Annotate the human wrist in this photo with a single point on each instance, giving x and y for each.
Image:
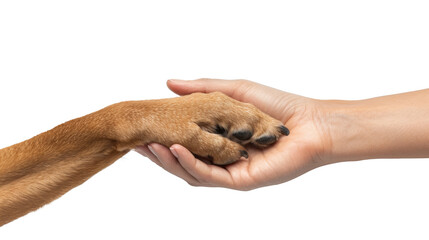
(395, 126)
(353, 129)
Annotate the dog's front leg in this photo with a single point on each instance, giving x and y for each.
(41, 169)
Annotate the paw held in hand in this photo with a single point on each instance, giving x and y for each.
(228, 125)
(212, 126)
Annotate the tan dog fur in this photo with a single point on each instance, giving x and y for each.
(41, 169)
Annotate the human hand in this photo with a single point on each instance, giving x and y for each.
(304, 149)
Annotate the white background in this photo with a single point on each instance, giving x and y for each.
(64, 59)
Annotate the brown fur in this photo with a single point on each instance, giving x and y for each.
(41, 169)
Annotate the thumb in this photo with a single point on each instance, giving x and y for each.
(241, 90)
(204, 85)
(263, 97)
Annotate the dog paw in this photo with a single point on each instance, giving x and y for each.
(231, 144)
(212, 126)
(224, 126)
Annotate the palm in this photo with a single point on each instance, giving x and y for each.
(290, 157)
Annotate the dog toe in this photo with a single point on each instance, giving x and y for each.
(266, 140)
(243, 135)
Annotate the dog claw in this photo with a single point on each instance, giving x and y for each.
(284, 130)
(244, 154)
(220, 130)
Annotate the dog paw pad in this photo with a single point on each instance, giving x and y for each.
(266, 140)
(243, 135)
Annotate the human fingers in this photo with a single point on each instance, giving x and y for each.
(270, 100)
(206, 175)
(233, 88)
(146, 152)
(205, 85)
(162, 156)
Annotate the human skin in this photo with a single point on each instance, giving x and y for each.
(321, 132)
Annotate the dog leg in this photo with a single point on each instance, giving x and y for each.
(41, 169)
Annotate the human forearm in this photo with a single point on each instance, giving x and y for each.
(395, 126)
(321, 132)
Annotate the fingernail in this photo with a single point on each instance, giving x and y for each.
(153, 151)
(176, 80)
(174, 152)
